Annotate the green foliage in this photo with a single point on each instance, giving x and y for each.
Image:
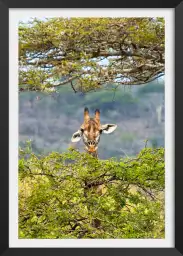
(90, 52)
(73, 195)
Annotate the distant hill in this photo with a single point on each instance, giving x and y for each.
(50, 120)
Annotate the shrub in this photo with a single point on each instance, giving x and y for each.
(73, 195)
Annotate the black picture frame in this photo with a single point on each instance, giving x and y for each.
(4, 125)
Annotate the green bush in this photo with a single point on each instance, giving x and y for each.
(73, 195)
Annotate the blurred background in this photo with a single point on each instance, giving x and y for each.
(50, 120)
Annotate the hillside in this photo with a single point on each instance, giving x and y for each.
(50, 120)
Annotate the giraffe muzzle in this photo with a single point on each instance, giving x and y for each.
(91, 143)
(91, 146)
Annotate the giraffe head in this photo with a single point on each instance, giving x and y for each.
(90, 131)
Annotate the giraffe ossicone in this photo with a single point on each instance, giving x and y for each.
(91, 130)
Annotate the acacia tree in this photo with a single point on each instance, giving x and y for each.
(59, 196)
(90, 52)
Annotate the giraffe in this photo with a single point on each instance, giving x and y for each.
(90, 131)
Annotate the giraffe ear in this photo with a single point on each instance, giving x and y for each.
(108, 128)
(76, 136)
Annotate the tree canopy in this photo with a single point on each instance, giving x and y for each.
(90, 52)
(73, 195)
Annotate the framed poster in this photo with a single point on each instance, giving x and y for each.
(157, 240)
